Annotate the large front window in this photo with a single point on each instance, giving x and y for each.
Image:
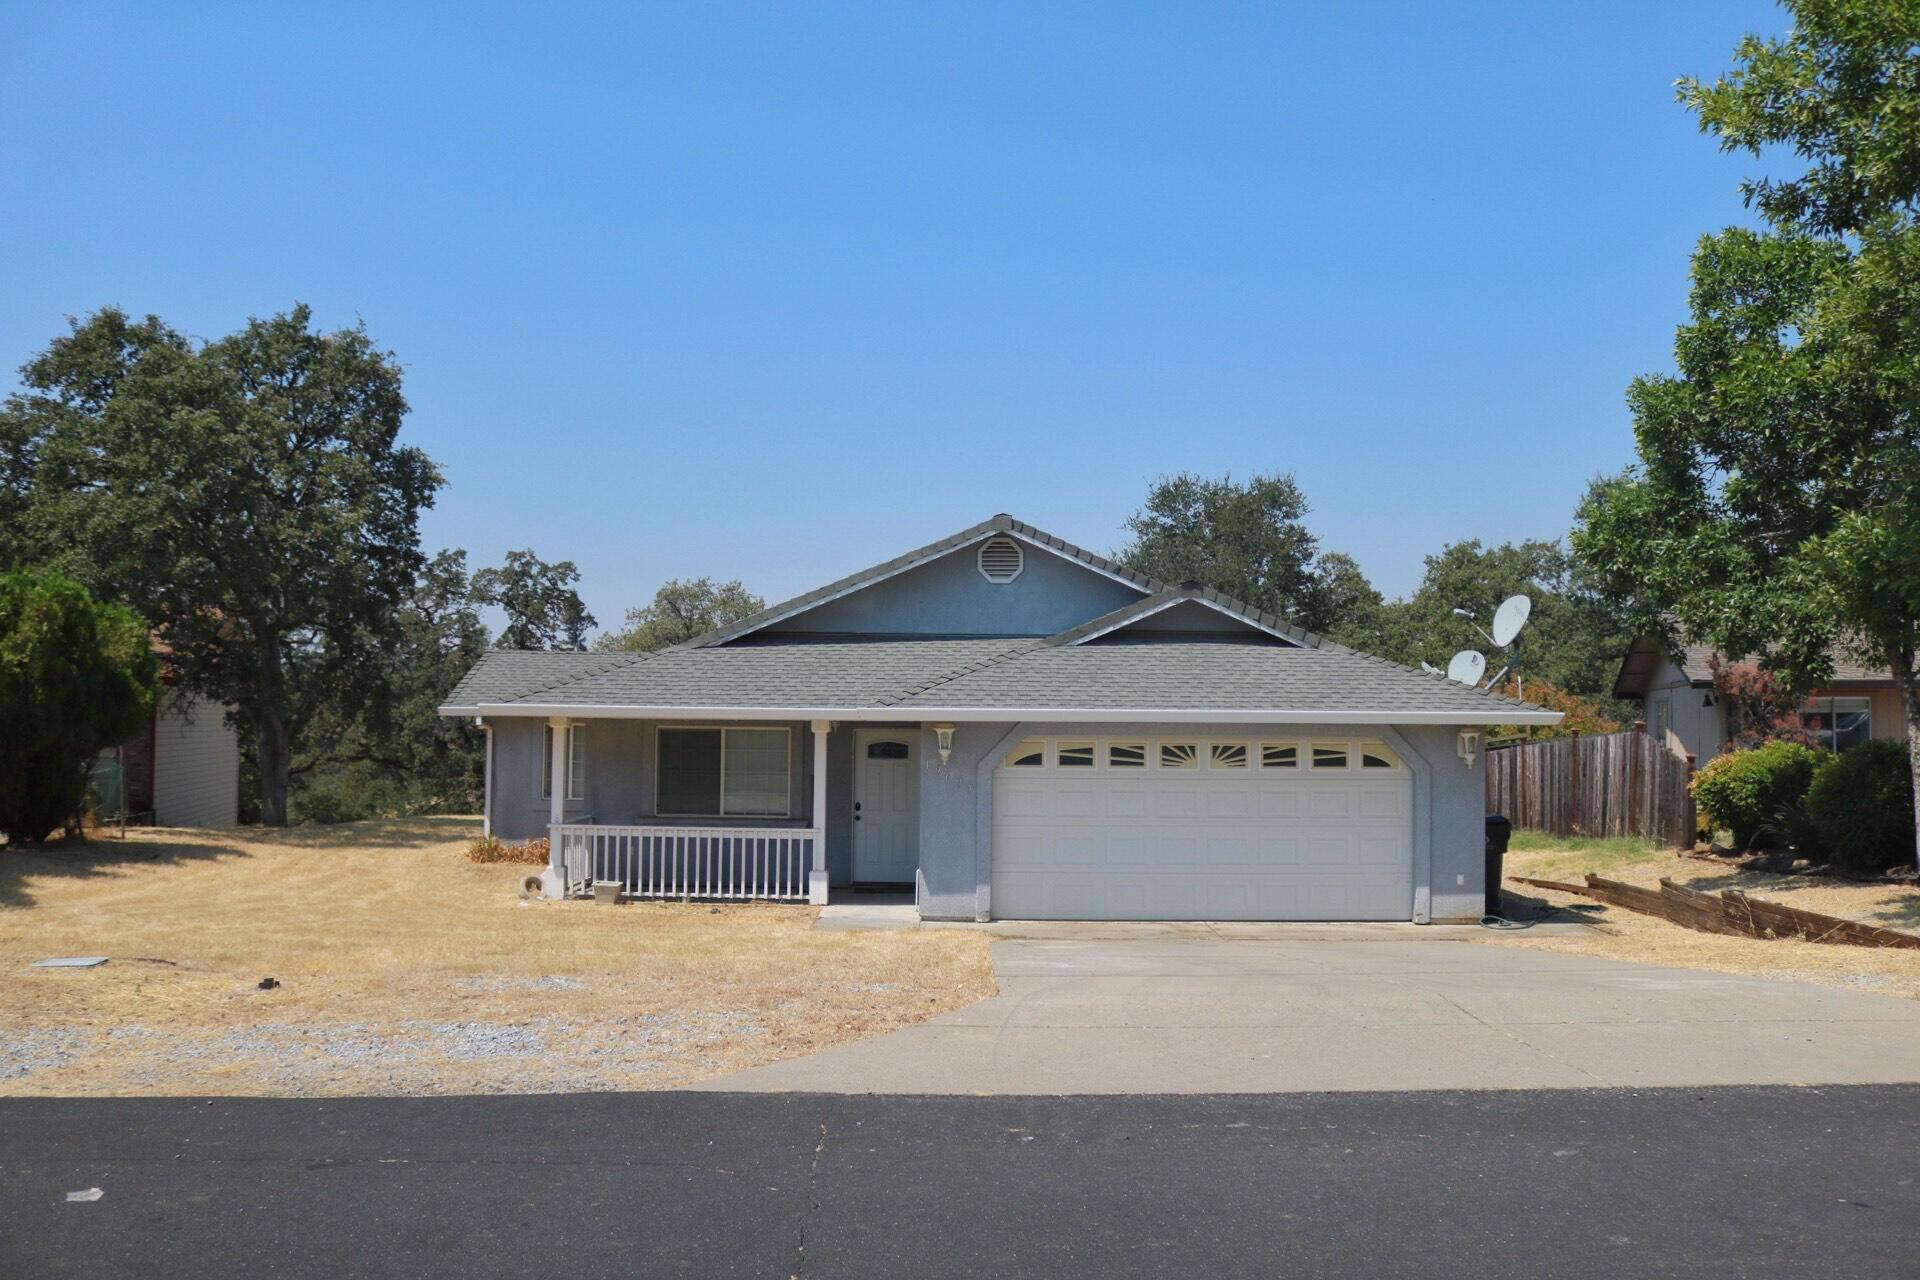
(1839, 723)
(739, 773)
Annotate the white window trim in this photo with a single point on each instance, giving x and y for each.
(576, 752)
(723, 730)
(1303, 748)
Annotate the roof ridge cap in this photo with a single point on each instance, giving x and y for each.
(1025, 646)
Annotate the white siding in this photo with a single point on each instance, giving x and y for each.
(1695, 727)
(196, 766)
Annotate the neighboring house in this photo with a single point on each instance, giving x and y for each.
(1676, 691)
(184, 771)
(1012, 727)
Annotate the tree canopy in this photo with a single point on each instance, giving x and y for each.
(396, 753)
(543, 609)
(76, 677)
(1249, 541)
(247, 496)
(1775, 509)
(1572, 640)
(681, 610)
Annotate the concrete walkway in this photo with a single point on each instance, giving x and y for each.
(1210, 1016)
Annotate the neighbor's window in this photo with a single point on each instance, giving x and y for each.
(1126, 755)
(1279, 755)
(1075, 755)
(576, 762)
(741, 773)
(1179, 755)
(1028, 755)
(1839, 723)
(1329, 755)
(1229, 755)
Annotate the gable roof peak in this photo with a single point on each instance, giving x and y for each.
(1000, 522)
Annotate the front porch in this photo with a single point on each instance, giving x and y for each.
(766, 840)
(711, 809)
(771, 863)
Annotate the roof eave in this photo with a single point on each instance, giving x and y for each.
(1087, 715)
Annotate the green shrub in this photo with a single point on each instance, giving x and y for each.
(1863, 806)
(76, 677)
(1744, 792)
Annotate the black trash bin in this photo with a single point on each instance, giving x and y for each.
(1499, 832)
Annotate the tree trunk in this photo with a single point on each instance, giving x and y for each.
(1909, 685)
(271, 735)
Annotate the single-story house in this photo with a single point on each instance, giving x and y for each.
(1007, 726)
(1675, 690)
(183, 770)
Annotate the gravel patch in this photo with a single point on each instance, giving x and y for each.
(521, 984)
(544, 1054)
(23, 1052)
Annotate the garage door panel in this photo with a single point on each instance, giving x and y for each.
(1198, 844)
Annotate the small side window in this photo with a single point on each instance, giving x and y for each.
(1329, 755)
(1279, 755)
(1229, 755)
(1126, 755)
(1028, 755)
(1179, 755)
(1076, 755)
(1375, 756)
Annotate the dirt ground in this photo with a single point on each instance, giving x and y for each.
(402, 968)
(1625, 935)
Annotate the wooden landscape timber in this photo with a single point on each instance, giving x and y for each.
(1731, 912)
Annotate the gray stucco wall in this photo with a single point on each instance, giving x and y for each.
(620, 778)
(948, 596)
(956, 812)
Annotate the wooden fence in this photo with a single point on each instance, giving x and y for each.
(1615, 784)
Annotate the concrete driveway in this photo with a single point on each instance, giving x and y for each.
(1190, 1015)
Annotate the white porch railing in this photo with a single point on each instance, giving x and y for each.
(685, 862)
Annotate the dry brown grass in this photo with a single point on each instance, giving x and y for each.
(1626, 935)
(404, 968)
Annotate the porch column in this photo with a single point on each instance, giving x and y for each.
(817, 873)
(557, 788)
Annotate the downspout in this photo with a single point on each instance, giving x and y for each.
(486, 780)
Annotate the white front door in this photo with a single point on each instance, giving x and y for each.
(886, 805)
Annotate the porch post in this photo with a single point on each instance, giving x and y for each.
(557, 789)
(817, 873)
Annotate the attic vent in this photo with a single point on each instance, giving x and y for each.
(1001, 560)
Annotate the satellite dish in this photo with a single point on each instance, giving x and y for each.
(1430, 669)
(1466, 667)
(1509, 618)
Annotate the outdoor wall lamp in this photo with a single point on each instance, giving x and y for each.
(944, 732)
(1469, 745)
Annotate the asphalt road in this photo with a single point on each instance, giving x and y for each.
(1743, 1182)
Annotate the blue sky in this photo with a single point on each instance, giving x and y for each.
(773, 292)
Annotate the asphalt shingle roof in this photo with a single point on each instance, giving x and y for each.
(1203, 675)
(1697, 661)
(1097, 666)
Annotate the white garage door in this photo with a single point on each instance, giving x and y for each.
(1202, 829)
